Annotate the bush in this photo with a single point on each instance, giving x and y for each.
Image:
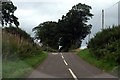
(15, 46)
(106, 44)
(48, 49)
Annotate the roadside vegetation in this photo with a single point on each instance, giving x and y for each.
(104, 50)
(68, 31)
(21, 68)
(100, 63)
(19, 52)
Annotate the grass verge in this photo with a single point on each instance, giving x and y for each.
(102, 64)
(21, 68)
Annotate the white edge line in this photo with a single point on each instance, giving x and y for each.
(65, 62)
(74, 76)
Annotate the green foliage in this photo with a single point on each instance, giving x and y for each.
(17, 43)
(20, 55)
(48, 49)
(68, 31)
(73, 27)
(22, 68)
(47, 33)
(106, 44)
(8, 17)
(102, 64)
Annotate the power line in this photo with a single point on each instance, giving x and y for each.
(103, 13)
(112, 5)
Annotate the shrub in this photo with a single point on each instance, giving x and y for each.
(106, 44)
(14, 45)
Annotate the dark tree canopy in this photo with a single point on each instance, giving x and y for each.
(47, 33)
(68, 31)
(8, 16)
(73, 26)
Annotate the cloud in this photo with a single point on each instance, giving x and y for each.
(33, 12)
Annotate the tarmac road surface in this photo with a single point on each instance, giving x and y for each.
(68, 66)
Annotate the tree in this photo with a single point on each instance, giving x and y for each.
(47, 33)
(73, 27)
(8, 16)
(69, 31)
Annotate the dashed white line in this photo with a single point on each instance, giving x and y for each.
(74, 76)
(62, 57)
(65, 62)
(71, 72)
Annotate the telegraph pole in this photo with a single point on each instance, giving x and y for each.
(118, 13)
(88, 37)
(102, 19)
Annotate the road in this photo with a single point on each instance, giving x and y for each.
(68, 66)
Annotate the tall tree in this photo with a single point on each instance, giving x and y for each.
(8, 16)
(73, 26)
(69, 31)
(47, 33)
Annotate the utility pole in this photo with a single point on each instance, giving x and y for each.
(88, 37)
(118, 13)
(102, 19)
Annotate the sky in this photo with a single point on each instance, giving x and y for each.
(33, 12)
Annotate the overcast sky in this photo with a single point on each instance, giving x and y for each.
(33, 12)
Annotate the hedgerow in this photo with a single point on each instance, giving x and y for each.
(106, 44)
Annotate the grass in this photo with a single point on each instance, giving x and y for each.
(19, 56)
(22, 68)
(102, 64)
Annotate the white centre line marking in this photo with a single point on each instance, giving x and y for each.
(63, 57)
(65, 62)
(74, 76)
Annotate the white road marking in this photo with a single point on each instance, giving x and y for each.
(74, 76)
(63, 57)
(71, 72)
(65, 62)
(54, 53)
